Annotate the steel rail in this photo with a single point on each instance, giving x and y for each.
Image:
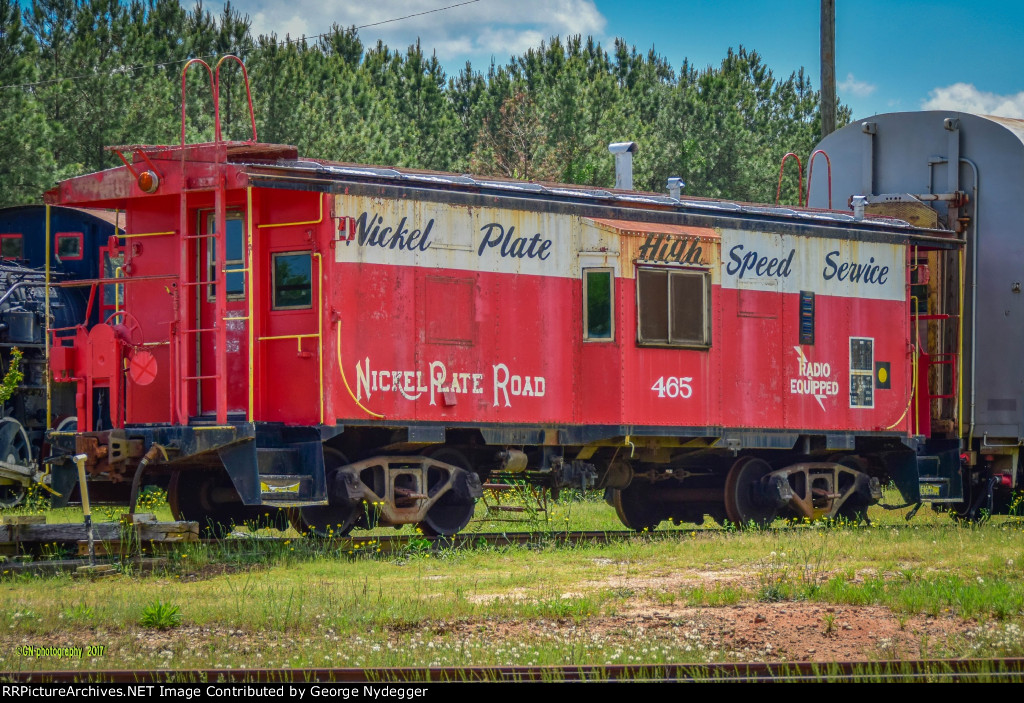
(930, 670)
(110, 543)
(111, 534)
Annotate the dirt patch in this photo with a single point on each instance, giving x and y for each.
(761, 631)
(640, 631)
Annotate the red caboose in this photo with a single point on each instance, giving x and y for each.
(314, 337)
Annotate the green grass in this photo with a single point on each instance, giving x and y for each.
(299, 602)
(418, 608)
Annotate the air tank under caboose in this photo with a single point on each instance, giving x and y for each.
(964, 173)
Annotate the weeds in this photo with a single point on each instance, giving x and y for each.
(160, 616)
(800, 574)
(829, 628)
(1016, 507)
(78, 612)
(714, 597)
(151, 499)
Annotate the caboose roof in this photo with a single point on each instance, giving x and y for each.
(277, 166)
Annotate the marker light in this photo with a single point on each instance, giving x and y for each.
(149, 182)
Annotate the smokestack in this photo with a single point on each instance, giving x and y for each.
(859, 203)
(623, 163)
(675, 187)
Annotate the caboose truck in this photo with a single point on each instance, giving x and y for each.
(349, 346)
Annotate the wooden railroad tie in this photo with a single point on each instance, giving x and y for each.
(141, 530)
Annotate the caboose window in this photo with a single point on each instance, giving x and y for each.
(293, 280)
(597, 304)
(11, 246)
(113, 293)
(233, 276)
(673, 307)
(69, 246)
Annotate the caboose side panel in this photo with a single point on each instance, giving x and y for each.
(453, 313)
(670, 326)
(808, 324)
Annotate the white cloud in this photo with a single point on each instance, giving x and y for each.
(501, 28)
(294, 26)
(860, 89)
(964, 97)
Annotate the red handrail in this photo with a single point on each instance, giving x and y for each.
(248, 94)
(810, 172)
(215, 90)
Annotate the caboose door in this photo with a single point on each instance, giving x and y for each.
(236, 348)
(291, 384)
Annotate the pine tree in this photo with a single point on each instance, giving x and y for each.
(27, 166)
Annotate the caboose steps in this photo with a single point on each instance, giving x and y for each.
(939, 479)
(291, 476)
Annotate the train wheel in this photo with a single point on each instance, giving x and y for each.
(15, 448)
(453, 511)
(198, 496)
(12, 495)
(337, 518)
(742, 504)
(634, 507)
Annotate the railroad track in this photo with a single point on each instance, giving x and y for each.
(109, 537)
(935, 670)
(112, 547)
(35, 547)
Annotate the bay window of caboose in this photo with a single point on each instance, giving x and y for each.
(673, 307)
(235, 244)
(598, 292)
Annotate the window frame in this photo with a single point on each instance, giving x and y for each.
(611, 303)
(112, 258)
(77, 236)
(21, 241)
(211, 255)
(670, 271)
(273, 279)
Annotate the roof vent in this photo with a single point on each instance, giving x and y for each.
(859, 203)
(623, 163)
(675, 187)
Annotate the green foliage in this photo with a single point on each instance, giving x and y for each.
(80, 612)
(160, 616)
(151, 499)
(26, 157)
(77, 76)
(13, 377)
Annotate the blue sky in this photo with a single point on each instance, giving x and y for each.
(890, 56)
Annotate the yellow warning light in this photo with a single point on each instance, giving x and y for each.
(148, 182)
(883, 375)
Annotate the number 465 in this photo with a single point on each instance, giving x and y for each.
(673, 386)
